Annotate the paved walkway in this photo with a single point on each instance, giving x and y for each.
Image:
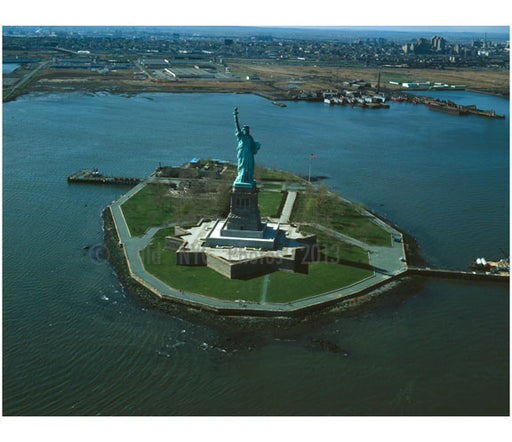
(286, 213)
(385, 260)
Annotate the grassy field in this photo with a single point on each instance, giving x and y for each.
(269, 203)
(262, 173)
(323, 277)
(276, 186)
(316, 205)
(281, 287)
(155, 206)
(336, 248)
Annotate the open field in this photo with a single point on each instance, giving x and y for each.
(125, 82)
(321, 77)
(263, 173)
(154, 205)
(316, 205)
(269, 203)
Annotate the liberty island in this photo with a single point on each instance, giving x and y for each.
(277, 264)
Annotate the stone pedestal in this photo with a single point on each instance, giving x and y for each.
(244, 213)
(243, 226)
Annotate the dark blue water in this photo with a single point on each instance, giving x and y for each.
(75, 343)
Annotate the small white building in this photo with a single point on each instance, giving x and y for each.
(416, 85)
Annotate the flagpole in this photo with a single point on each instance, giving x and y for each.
(309, 174)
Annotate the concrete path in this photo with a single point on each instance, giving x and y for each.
(264, 289)
(386, 260)
(286, 213)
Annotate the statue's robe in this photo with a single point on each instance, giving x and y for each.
(246, 150)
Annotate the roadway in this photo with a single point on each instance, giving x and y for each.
(25, 79)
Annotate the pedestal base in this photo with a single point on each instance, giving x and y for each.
(264, 239)
(244, 212)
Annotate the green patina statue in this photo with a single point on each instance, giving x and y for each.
(246, 150)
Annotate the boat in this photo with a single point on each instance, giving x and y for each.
(501, 266)
(279, 104)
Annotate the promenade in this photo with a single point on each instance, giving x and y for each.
(387, 263)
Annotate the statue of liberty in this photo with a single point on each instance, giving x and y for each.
(245, 150)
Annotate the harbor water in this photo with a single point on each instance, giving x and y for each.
(7, 68)
(75, 342)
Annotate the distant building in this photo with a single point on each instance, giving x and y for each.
(422, 46)
(416, 85)
(155, 63)
(408, 48)
(438, 44)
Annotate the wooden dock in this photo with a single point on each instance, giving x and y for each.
(92, 176)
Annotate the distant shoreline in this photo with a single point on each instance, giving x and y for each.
(271, 83)
(275, 95)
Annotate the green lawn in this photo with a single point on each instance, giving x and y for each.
(269, 203)
(276, 186)
(336, 248)
(261, 173)
(282, 286)
(318, 206)
(142, 210)
(153, 206)
(323, 277)
(200, 280)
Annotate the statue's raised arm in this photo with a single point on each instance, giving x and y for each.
(237, 124)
